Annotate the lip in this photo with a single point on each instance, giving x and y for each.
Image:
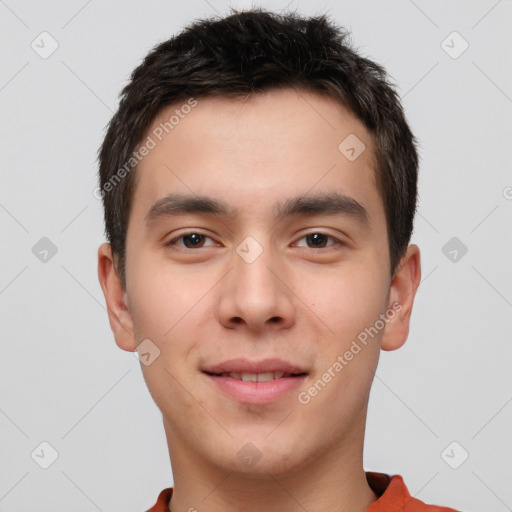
(243, 365)
(256, 392)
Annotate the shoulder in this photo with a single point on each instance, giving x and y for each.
(393, 496)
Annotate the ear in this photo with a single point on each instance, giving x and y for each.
(119, 315)
(403, 289)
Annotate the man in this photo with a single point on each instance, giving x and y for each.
(259, 182)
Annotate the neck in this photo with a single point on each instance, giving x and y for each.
(332, 481)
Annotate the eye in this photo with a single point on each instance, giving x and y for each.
(319, 240)
(191, 240)
(195, 240)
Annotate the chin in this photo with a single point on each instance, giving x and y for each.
(261, 453)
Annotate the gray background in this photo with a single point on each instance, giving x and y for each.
(62, 378)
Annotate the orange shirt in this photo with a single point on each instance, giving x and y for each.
(391, 490)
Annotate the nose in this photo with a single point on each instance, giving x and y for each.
(256, 295)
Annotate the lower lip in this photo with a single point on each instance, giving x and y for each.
(257, 392)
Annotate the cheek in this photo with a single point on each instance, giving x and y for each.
(165, 311)
(347, 300)
(171, 309)
(161, 299)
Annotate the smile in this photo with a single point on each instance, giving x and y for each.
(256, 388)
(255, 377)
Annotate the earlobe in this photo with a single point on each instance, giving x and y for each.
(401, 299)
(116, 300)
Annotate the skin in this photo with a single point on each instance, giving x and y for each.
(206, 304)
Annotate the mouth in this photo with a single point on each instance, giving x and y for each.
(256, 377)
(256, 382)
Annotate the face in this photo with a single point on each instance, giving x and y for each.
(280, 265)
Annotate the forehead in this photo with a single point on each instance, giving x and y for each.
(254, 151)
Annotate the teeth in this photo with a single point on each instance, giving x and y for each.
(256, 377)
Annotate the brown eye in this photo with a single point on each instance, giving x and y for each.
(319, 240)
(194, 240)
(191, 240)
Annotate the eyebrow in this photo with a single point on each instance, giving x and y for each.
(306, 205)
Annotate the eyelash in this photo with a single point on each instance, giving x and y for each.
(172, 243)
